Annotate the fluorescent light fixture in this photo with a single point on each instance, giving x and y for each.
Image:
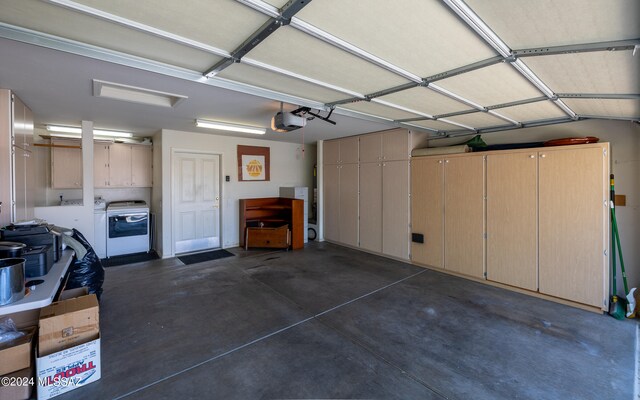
(135, 94)
(78, 131)
(224, 126)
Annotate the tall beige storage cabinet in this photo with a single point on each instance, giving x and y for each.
(542, 226)
(395, 207)
(448, 211)
(427, 210)
(573, 224)
(384, 193)
(371, 225)
(380, 191)
(341, 191)
(512, 219)
(464, 215)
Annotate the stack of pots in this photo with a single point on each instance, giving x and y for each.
(12, 272)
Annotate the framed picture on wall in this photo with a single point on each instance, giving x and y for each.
(253, 163)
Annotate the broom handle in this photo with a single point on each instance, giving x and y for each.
(617, 236)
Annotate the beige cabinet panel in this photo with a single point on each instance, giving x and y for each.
(512, 219)
(100, 165)
(349, 150)
(427, 210)
(395, 209)
(66, 164)
(464, 215)
(141, 166)
(119, 165)
(331, 212)
(349, 204)
(331, 151)
(371, 224)
(395, 145)
(573, 224)
(371, 148)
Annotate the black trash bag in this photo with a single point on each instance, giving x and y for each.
(88, 271)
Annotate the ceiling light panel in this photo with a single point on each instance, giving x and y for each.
(478, 120)
(62, 22)
(594, 72)
(526, 24)
(427, 28)
(533, 111)
(379, 110)
(135, 94)
(426, 101)
(497, 84)
(605, 107)
(279, 83)
(436, 125)
(300, 53)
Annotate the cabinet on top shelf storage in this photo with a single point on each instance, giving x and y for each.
(385, 146)
(341, 151)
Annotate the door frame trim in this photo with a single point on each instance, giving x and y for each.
(174, 152)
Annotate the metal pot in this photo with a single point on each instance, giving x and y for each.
(11, 280)
(11, 249)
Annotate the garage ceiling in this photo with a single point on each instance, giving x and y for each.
(448, 67)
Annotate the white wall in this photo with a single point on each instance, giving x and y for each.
(624, 137)
(288, 168)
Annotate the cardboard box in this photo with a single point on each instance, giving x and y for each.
(16, 354)
(68, 323)
(73, 293)
(68, 369)
(20, 385)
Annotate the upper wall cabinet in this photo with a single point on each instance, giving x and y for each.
(101, 164)
(342, 151)
(115, 165)
(385, 146)
(66, 164)
(130, 165)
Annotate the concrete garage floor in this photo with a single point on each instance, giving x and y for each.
(330, 322)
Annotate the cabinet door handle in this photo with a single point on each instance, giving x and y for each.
(532, 156)
(543, 155)
(439, 161)
(446, 161)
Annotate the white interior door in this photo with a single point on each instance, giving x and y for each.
(196, 202)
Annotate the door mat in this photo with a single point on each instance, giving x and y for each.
(206, 256)
(129, 259)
